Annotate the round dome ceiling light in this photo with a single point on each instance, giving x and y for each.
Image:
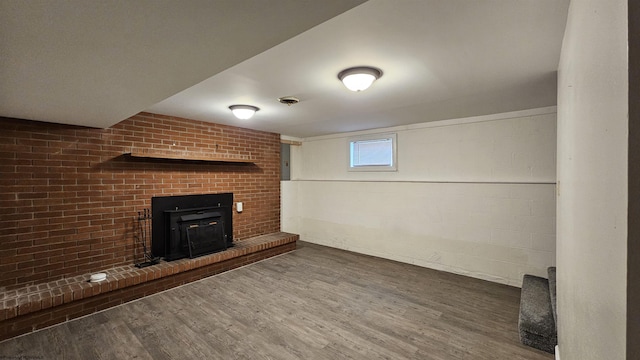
(243, 112)
(289, 100)
(359, 78)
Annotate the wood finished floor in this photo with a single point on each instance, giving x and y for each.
(313, 303)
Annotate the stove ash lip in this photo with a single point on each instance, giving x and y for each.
(199, 215)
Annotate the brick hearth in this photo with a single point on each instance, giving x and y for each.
(34, 307)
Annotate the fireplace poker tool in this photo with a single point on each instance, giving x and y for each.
(144, 229)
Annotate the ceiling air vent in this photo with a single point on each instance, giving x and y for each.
(289, 100)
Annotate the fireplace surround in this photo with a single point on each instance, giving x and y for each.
(191, 225)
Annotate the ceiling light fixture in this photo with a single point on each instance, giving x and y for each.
(243, 112)
(359, 78)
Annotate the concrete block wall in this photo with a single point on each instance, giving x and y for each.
(471, 196)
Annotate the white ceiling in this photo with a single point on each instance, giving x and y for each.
(441, 59)
(96, 63)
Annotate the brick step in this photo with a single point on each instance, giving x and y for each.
(33, 307)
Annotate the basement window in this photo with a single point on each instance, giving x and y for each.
(373, 153)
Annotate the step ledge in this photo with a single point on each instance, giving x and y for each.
(29, 299)
(536, 326)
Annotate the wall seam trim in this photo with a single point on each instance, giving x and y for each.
(434, 181)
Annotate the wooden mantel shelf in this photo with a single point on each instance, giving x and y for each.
(190, 155)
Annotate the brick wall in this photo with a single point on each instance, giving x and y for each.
(69, 197)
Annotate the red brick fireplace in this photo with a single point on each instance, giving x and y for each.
(70, 196)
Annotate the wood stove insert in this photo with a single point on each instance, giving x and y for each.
(191, 225)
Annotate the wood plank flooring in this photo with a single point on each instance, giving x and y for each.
(313, 303)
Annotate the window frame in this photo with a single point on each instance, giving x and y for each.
(374, 168)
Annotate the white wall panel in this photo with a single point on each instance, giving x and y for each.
(474, 198)
(593, 155)
(432, 225)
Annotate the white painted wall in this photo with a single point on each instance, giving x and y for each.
(289, 218)
(592, 174)
(471, 196)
